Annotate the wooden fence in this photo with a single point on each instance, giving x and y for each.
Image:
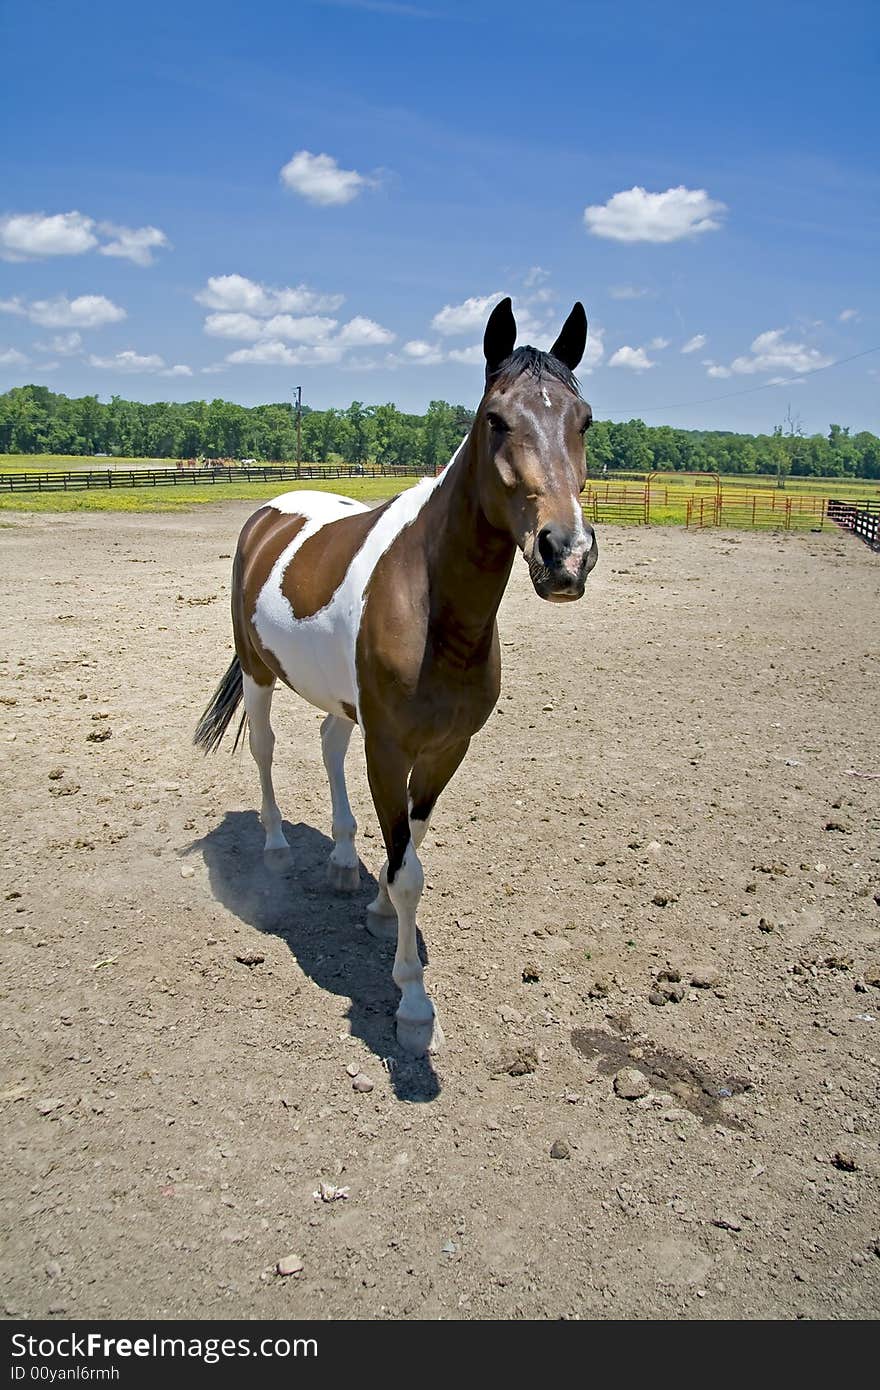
(82, 480)
(862, 518)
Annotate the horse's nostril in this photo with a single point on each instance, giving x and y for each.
(552, 544)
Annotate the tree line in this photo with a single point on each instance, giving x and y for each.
(35, 420)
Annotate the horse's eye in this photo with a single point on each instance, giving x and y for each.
(496, 423)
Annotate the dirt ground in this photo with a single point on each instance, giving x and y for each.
(664, 787)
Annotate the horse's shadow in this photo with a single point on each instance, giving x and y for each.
(324, 930)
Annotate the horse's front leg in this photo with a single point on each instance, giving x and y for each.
(418, 1029)
(430, 774)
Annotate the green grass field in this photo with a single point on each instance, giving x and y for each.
(669, 492)
(180, 497)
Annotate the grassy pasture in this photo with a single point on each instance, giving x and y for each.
(669, 492)
(182, 497)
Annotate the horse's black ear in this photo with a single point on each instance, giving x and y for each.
(500, 336)
(569, 346)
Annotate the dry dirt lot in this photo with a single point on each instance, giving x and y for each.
(665, 786)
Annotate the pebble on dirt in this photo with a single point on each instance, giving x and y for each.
(46, 1107)
(559, 1149)
(362, 1083)
(522, 1064)
(250, 958)
(289, 1264)
(705, 977)
(531, 974)
(844, 1161)
(631, 1084)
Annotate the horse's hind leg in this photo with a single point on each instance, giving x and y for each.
(258, 703)
(343, 869)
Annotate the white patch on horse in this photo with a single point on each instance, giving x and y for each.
(318, 653)
(545, 397)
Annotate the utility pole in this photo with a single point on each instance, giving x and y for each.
(299, 409)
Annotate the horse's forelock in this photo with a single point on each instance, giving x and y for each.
(532, 362)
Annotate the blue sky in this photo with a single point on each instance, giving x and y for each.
(227, 200)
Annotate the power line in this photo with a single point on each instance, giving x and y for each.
(749, 390)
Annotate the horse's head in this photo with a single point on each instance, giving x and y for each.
(529, 430)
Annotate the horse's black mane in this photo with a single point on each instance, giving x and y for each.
(537, 364)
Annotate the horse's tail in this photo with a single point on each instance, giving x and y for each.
(221, 707)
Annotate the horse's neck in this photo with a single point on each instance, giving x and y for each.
(469, 561)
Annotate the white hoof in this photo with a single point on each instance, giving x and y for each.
(420, 1038)
(278, 859)
(343, 878)
(380, 925)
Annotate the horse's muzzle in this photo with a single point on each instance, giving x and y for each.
(561, 563)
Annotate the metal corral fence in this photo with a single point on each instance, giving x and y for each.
(742, 510)
(653, 502)
(862, 518)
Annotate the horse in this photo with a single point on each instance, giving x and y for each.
(386, 618)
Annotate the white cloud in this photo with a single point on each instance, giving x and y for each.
(278, 354)
(636, 359)
(694, 344)
(29, 236)
(365, 364)
(135, 244)
(714, 369)
(418, 353)
(421, 351)
(363, 332)
(247, 328)
(136, 363)
(594, 351)
(319, 179)
(11, 357)
(66, 344)
(470, 356)
(658, 344)
(86, 311)
(637, 215)
(129, 361)
(466, 317)
(846, 315)
(628, 292)
(786, 381)
(536, 276)
(770, 352)
(235, 293)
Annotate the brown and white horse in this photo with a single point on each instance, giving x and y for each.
(386, 618)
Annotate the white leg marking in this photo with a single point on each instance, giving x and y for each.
(258, 703)
(417, 1027)
(418, 829)
(343, 870)
(381, 916)
(381, 910)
